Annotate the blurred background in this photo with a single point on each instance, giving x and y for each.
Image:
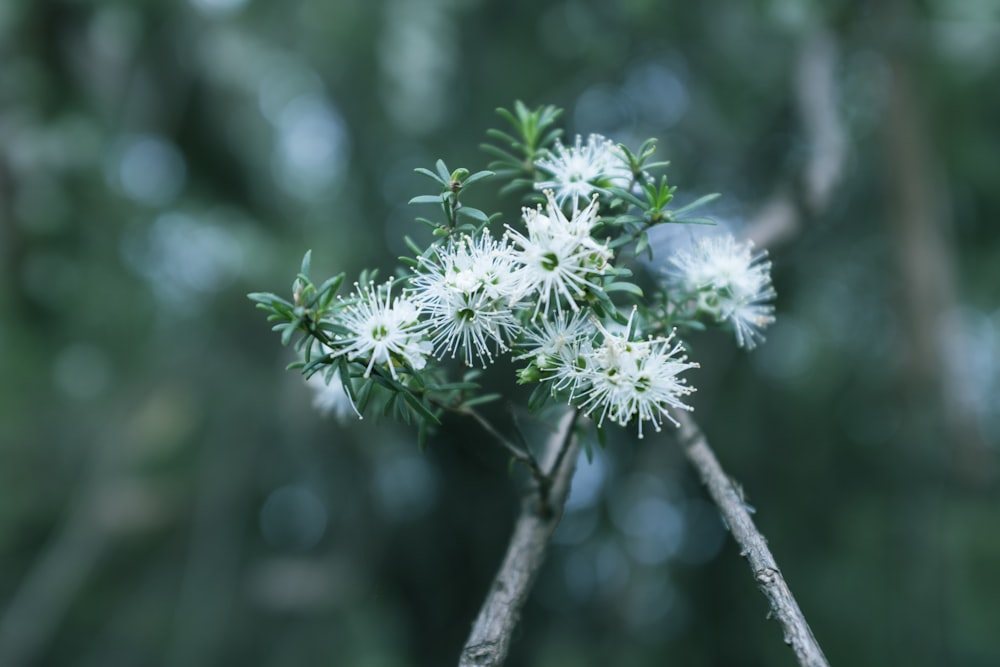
(168, 495)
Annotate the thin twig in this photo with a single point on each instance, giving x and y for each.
(520, 454)
(489, 640)
(753, 546)
(55, 578)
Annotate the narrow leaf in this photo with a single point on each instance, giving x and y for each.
(701, 201)
(425, 199)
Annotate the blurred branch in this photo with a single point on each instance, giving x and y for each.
(109, 502)
(212, 566)
(919, 573)
(780, 217)
(489, 640)
(925, 262)
(10, 235)
(50, 586)
(753, 546)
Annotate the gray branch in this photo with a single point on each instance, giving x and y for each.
(825, 138)
(753, 546)
(489, 640)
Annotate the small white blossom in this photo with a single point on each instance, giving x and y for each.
(583, 169)
(558, 347)
(558, 259)
(330, 397)
(552, 339)
(383, 330)
(730, 283)
(626, 379)
(466, 289)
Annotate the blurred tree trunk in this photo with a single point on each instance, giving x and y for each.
(925, 294)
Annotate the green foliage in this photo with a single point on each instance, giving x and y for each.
(531, 133)
(454, 185)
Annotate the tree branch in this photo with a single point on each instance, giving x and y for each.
(753, 546)
(489, 640)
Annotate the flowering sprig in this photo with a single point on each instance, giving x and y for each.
(551, 292)
(554, 284)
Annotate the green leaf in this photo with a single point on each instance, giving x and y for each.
(332, 284)
(629, 288)
(391, 405)
(364, 396)
(625, 195)
(267, 299)
(289, 331)
(430, 174)
(476, 177)
(539, 396)
(643, 245)
(695, 221)
(306, 262)
(503, 155)
(419, 407)
(442, 170)
(345, 379)
(426, 199)
(501, 135)
(479, 400)
(617, 316)
(628, 218)
(474, 213)
(701, 201)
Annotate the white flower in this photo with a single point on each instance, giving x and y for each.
(558, 348)
(382, 330)
(583, 169)
(626, 379)
(556, 338)
(330, 397)
(558, 258)
(466, 290)
(730, 283)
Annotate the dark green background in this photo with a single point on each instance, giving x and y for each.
(169, 497)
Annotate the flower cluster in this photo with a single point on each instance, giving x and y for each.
(728, 283)
(612, 375)
(382, 330)
(558, 259)
(543, 285)
(577, 172)
(466, 289)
